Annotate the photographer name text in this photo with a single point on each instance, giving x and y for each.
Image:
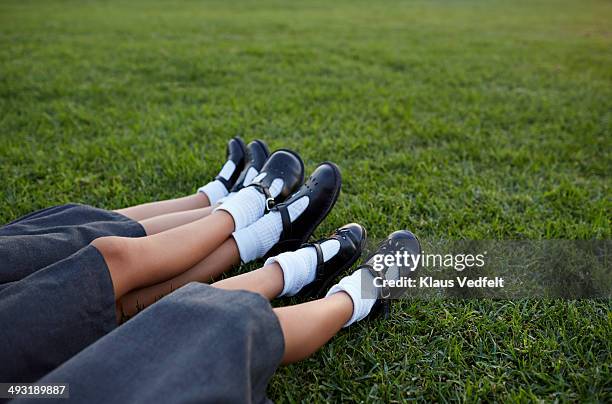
(430, 282)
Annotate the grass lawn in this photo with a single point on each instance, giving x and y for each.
(454, 119)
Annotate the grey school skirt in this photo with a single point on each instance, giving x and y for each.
(44, 237)
(58, 322)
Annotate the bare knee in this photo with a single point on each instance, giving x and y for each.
(119, 253)
(114, 249)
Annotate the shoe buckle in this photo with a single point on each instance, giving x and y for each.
(269, 204)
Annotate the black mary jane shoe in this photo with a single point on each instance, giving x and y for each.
(257, 154)
(284, 164)
(352, 238)
(236, 152)
(399, 241)
(322, 189)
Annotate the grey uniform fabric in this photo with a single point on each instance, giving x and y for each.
(44, 237)
(197, 345)
(58, 323)
(51, 315)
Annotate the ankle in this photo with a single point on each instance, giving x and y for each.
(345, 305)
(274, 274)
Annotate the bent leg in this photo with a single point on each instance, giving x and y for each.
(308, 326)
(157, 224)
(219, 261)
(139, 262)
(151, 209)
(267, 281)
(54, 313)
(200, 344)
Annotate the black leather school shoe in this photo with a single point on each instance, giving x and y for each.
(352, 238)
(286, 165)
(322, 189)
(236, 152)
(257, 154)
(398, 241)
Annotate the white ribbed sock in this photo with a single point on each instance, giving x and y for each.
(300, 267)
(352, 286)
(256, 240)
(215, 190)
(249, 204)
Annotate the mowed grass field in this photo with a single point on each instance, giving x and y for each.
(454, 119)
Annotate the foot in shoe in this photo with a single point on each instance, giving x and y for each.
(317, 263)
(289, 224)
(368, 299)
(282, 173)
(257, 154)
(225, 180)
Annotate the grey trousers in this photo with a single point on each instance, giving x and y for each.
(198, 344)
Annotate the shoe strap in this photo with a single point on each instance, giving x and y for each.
(348, 235)
(225, 182)
(320, 273)
(239, 184)
(266, 192)
(286, 220)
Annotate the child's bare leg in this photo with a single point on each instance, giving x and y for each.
(243, 209)
(307, 326)
(152, 209)
(157, 224)
(219, 261)
(267, 281)
(138, 262)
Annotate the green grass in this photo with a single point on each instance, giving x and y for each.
(463, 119)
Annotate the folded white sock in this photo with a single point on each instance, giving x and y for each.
(256, 240)
(352, 286)
(215, 190)
(249, 204)
(300, 267)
